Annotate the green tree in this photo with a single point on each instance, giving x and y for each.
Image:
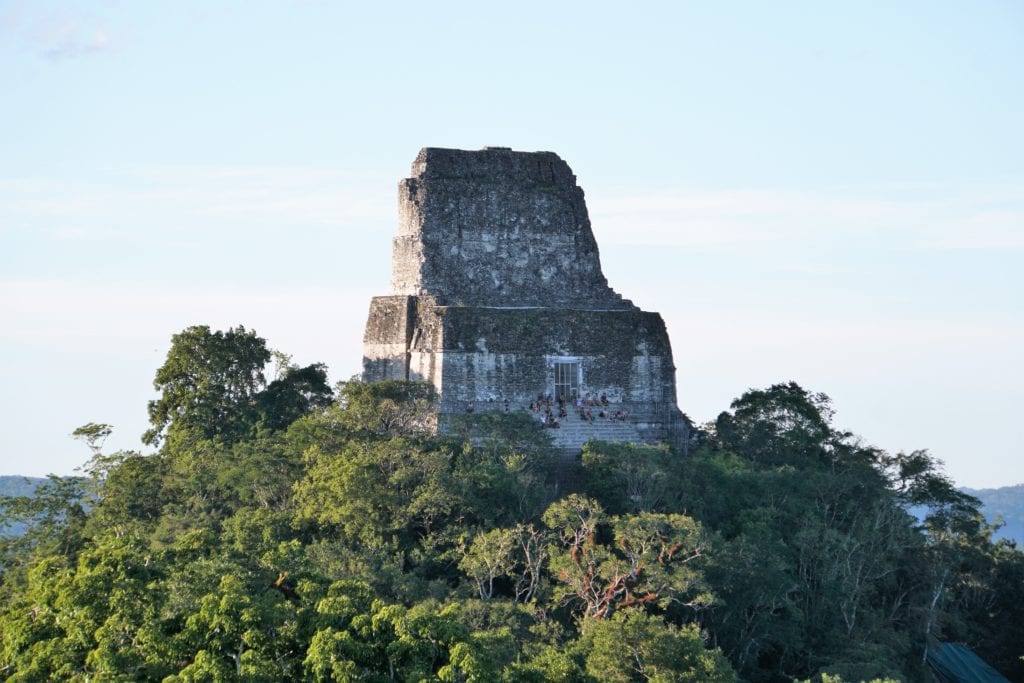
(212, 386)
(489, 557)
(502, 433)
(296, 392)
(93, 434)
(208, 385)
(631, 477)
(240, 634)
(378, 490)
(97, 615)
(784, 424)
(819, 565)
(651, 559)
(635, 646)
(390, 408)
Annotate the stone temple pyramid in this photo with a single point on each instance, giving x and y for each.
(498, 300)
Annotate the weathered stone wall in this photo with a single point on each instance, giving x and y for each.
(497, 228)
(386, 339)
(624, 354)
(493, 357)
(490, 358)
(496, 277)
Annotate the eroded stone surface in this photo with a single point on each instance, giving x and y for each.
(497, 286)
(497, 228)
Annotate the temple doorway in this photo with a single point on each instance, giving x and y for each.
(567, 380)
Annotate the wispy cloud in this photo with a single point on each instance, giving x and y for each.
(56, 35)
(317, 196)
(932, 217)
(185, 201)
(857, 333)
(69, 40)
(985, 229)
(95, 315)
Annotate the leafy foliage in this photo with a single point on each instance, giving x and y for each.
(276, 536)
(212, 386)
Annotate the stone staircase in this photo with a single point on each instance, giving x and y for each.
(574, 432)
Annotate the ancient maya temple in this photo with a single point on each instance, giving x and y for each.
(497, 298)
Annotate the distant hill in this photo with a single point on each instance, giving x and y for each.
(13, 485)
(16, 485)
(1006, 502)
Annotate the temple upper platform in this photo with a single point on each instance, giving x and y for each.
(497, 228)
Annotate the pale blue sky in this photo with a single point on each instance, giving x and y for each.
(831, 193)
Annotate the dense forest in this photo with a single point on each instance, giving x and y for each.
(282, 530)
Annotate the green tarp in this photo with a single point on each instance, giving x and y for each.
(955, 663)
